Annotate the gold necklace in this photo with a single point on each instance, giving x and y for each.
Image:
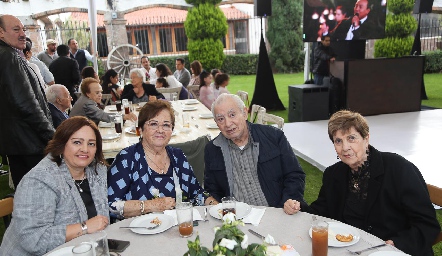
(146, 151)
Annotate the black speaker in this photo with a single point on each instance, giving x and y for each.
(423, 6)
(308, 102)
(263, 8)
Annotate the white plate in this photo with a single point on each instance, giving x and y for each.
(189, 108)
(212, 126)
(111, 136)
(335, 228)
(104, 125)
(65, 251)
(242, 210)
(112, 109)
(191, 102)
(130, 131)
(206, 116)
(387, 253)
(144, 221)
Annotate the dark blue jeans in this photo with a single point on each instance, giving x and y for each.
(318, 79)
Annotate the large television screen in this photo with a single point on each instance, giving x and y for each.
(344, 19)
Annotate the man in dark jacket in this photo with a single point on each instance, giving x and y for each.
(65, 71)
(26, 124)
(253, 162)
(323, 55)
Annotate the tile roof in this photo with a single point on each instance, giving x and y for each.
(159, 15)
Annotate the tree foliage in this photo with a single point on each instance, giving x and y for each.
(285, 35)
(205, 25)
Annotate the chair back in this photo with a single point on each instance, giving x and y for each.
(194, 151)
(244, 97)
(194, 90)
(6, 207)
(254, 112)
(436, 198)
(107, 99)
(266, 118)
(170, 92)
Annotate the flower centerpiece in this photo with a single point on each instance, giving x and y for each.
(229, 240)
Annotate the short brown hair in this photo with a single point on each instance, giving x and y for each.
(85, 85)
(65, 130)
(344, 120)
(197, 68)
(151, 110)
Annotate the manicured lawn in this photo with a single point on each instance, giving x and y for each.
(313, 175)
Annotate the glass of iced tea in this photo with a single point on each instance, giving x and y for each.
(319, 238)
(228, 205)
(184, 212)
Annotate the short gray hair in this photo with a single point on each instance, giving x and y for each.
(221, 98)
(53, 92)
(138, 72)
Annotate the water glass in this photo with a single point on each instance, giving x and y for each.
(319, 238)
(228, 205)
(186, 120)
(184, 213)
(83, 249)
(99, 240)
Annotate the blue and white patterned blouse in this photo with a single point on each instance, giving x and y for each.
(130, 178)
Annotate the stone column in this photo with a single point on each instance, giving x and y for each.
(33, 32)
(115, 25)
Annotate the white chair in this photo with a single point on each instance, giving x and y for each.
(244, 97)
(266, 118)
(254, 112)
(170, 92)
(107, 99)
(194, 90)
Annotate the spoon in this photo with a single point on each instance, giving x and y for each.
(149, 228)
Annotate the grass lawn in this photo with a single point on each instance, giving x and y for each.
(282, 81)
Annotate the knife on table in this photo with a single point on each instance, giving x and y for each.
(261, 236)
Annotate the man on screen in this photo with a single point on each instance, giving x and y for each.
(362, 26)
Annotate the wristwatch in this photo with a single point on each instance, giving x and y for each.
(84, 227)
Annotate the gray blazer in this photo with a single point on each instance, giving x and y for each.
(183, 76)
(88, 108)
(46, 201)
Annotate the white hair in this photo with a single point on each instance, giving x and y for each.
(221, 98)
(138, 72)
(53, 92)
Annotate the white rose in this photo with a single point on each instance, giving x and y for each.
(155, 192)
(244, 243)
(229, 218)
(229, 244)
(215, 229)
(269, 239)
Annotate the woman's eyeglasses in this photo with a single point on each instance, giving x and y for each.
(155, 125)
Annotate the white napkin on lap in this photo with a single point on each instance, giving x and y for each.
(172, 213)
(254, 216)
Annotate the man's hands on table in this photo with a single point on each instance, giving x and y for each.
(292, 206)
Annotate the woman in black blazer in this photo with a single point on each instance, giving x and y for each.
(138, 91)
(381, 193)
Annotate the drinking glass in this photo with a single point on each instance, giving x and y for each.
(186, 120)
(83, 249)
(99, 241)
(118, 104)
(319, 238)
(228, 205)
(184, 213)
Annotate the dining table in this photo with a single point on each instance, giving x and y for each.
(201, 123)
(286, 229)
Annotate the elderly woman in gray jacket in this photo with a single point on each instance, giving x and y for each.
(87, 104)
(62, 197)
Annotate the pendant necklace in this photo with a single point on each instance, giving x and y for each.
(146, 151)
(79, 184)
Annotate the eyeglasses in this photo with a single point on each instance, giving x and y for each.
(350, 139)
(155, 125)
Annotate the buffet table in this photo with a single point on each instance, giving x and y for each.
(201, 123)
(286, 229)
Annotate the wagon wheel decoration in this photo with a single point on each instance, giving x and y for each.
(123, 58)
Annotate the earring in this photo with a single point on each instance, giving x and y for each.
(337, 156)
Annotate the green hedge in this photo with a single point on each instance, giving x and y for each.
(400, 25)
(433, 62)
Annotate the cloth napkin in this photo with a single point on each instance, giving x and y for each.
(172, 213)
(255, 216)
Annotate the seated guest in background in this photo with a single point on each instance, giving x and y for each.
(110, 86)
(164, 71)
(62, 197)
(381, 193)
(206, 91)
(138, 91)
(149, 72)
(196, 68)
(181, 73)
(89, 71)
(59, 101)
(143, 177)
(87, 104)
(161, 83)
(221, 82)
(214, 72)
(252, 162)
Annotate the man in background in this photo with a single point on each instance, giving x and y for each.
(151, 76)
(65, 71)
(59, 101)
(26, 124)
(44, 70)
(50, 54)
(323, 56)
(80, 55)
(181, 73)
